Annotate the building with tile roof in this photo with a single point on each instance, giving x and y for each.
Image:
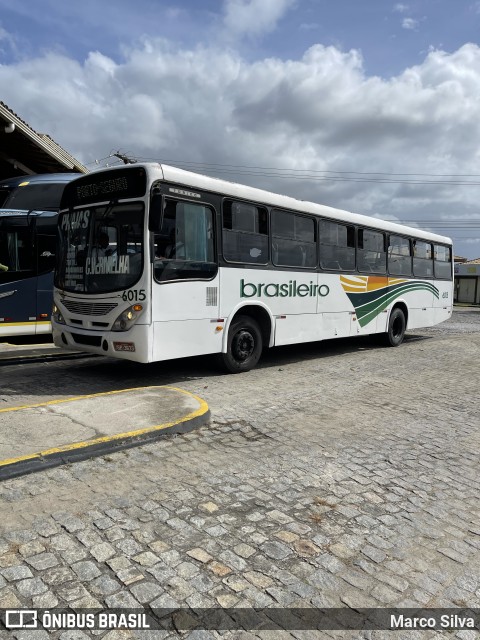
(24, 151)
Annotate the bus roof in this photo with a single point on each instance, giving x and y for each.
(180, 176)
(191, 179)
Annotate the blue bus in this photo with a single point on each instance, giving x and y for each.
(28, 231)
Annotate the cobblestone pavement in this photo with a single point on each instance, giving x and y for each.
(336, 474)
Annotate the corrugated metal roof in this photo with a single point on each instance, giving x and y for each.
(26, 151)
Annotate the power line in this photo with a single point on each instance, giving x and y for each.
(316, 175)
(467, 224)
(379, 173)
(300, 174)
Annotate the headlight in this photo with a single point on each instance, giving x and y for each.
(57, 316)
(127, 318)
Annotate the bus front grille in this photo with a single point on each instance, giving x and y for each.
(91, 341)
(89, 308)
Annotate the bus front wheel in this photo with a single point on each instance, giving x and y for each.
(396, 328)
(244, 346)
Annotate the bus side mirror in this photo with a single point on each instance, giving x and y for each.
(155, 214)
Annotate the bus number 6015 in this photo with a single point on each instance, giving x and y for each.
(134, 295)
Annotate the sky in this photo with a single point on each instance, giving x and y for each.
(367, 105)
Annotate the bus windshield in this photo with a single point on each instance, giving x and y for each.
(101, 248)
(44, 196)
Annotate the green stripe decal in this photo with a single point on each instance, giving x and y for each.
(369, 304)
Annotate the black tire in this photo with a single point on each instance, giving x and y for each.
(396, 328)
(244, 346)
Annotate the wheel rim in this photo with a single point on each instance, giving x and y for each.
(243, 345)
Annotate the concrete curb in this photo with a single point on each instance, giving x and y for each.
(33, 358)
(11, 354)
(75, 452)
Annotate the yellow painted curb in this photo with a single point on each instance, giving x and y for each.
(202, 410)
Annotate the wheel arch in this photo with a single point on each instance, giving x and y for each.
(259, 312)
(399, 304)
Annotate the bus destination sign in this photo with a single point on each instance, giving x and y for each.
(130, 182)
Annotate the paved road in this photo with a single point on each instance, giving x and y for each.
(336, 474)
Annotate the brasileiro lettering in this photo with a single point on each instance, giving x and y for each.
(107, 265)
(284, 290)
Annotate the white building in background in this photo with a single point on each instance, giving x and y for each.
(467, 282)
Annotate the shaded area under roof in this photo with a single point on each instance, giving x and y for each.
(24, 151)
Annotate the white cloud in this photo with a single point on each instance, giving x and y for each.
(318, 113)
(7, 43)
(254, 17)
(410, 23)
(401, 8)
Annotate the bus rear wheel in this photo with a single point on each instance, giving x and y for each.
(396, 328)
(244, 346)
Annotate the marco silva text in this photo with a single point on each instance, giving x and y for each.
(444, 621)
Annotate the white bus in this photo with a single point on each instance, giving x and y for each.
(190, 265)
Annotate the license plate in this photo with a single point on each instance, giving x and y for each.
(124, 346)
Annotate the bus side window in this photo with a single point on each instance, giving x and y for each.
(245, 233)
(337, 246)
(185, 245)
(371, 254)
(442, 261)
(16, 254)
(5, 263)
(399, 256)
(293, 240)
(422, 259)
